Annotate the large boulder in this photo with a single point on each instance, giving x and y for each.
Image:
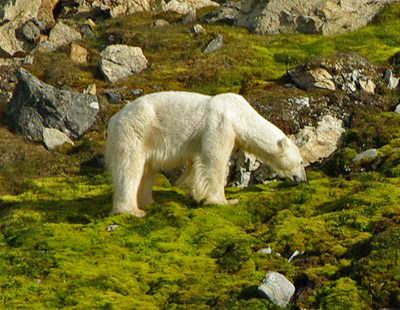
(36, 105)
(325, 17)
(119, 61)
(13, 15)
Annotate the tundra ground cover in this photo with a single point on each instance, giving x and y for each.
(56, 252)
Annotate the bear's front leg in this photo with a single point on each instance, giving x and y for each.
(127, 172)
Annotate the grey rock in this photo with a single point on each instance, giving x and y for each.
(137, 92)
(370, 154)
(159, 23)
(390, 79)
(189, 18)
(111, 228)
(214, 45)
(118, 62)
(36, 105)
(397, 110)
(267, 251)
(62, 34)
(277, 289)
(294, 255)
(54, 137)
(31, 32)
(198, 29)
(227, 13)
(113, 96)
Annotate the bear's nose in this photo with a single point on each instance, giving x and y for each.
(299, 179)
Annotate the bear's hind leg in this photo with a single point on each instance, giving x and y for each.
(145, 195)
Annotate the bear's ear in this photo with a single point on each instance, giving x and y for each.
(283, 143)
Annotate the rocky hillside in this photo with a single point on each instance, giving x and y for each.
(67, 66)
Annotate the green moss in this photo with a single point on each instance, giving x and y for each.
(342, 294)
(56, 251)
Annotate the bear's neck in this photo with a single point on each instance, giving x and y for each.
(258, 136)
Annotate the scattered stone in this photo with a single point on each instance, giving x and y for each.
(137, 92)
(242, 165)
(62, 34)
(159, 23)
(370, 155)
(214, 45)
(113, 96)
(316, 144)
(111, 228)
(267, 251)
(31, 32)
(227, 13)
(302, 101)
(198, 29)
(118, 62)
(118, 8)
(389, 78)
(54, 137)
(397, 110)
(16, 61)
(36, 105)
(367, 86)
(294, 255)
(189, 18)
(307, 78)
(184, 6)
(277, 289)
(79, 54)
(91, 90)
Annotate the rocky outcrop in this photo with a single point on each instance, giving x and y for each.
(346, 71)
(318, 143)
(118, 62)
(36, 105)
(325, 17)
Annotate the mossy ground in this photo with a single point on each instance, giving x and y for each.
(56, 252)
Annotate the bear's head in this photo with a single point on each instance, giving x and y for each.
(288, 162)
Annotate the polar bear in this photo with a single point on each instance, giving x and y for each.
(164, 130)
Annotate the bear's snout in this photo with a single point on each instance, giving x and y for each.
(299, 178)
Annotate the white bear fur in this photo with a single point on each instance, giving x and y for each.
(165, 130)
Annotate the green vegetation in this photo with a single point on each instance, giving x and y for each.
(58, 248)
